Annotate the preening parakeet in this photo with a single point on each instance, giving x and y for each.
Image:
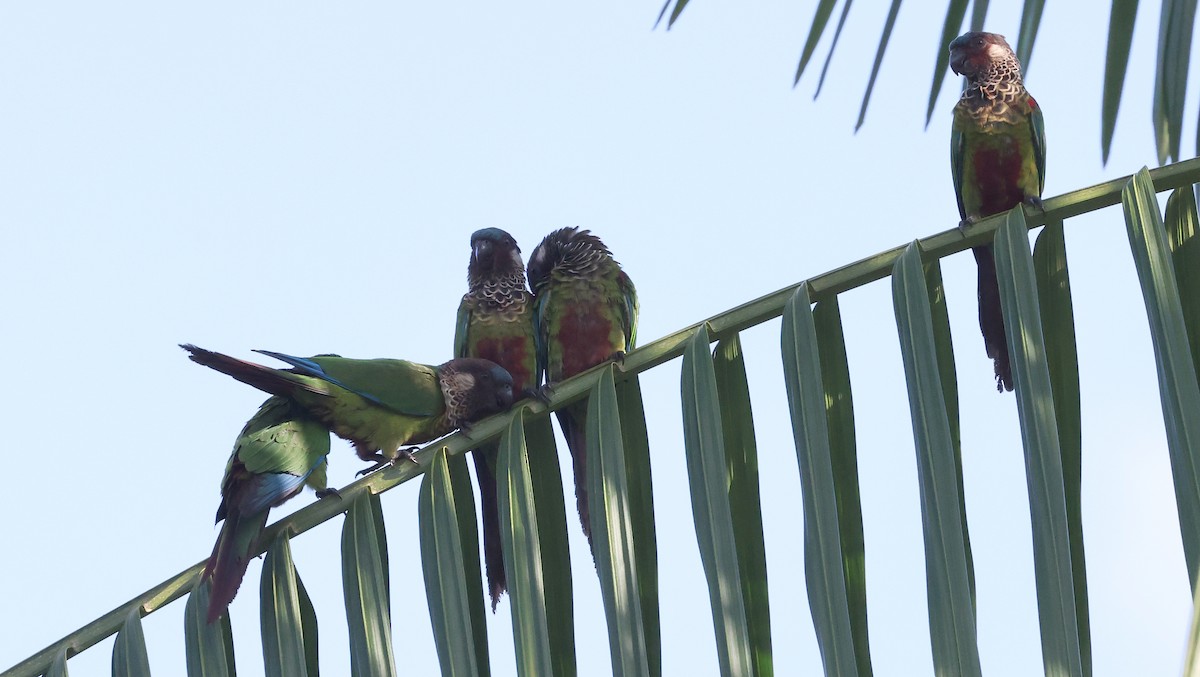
(495, 322)
(378, 405)
(586, 310)
(280, 450)
(998, 158)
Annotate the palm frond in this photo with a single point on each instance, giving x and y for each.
(722, 462)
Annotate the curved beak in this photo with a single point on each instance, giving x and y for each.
(481, 250)
(957, 57)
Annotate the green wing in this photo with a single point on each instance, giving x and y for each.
(629, 309)
(541, 335)
(1038, 129)
(461, 326)
(957, 152)
(281, 439)
(402, 386)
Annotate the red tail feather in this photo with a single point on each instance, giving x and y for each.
(230, 557)
(991, 318)
(573, 422)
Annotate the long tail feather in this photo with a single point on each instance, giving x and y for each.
(493, 556)
(274, 381)
(573, 422)
(230, 557)
(991, 318)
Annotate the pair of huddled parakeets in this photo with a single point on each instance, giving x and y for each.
(506, 340)
(582, 312)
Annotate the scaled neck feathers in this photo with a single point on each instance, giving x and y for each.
(500, 288)
(456, 387)
(999, 83)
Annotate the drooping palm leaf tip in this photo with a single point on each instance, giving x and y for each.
(585, 310)
(495, 322)
(998, 160)
(378, 405)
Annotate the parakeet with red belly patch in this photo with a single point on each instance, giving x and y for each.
(585, 310)
(495, 322)
(998, 158)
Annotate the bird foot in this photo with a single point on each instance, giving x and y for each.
(368, 471)
(618, 357)
(330, 491)
(465, 429)
(380, 462)
(1035, 202)
(407, 454)
(543, 393)
(401, 454)
(966, 223)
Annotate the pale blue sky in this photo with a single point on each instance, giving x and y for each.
(304, 177)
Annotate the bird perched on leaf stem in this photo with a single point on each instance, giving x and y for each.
(585, 309)
(495, 322)
(998, 158)
(279, 452)
(378, 405)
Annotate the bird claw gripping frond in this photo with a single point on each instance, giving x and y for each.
(465, 428)
(329, 491)
(368, 471)
(1035, 202)
(401, 455)
(543, 393)
(966, 223)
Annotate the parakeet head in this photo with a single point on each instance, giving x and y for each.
(474, 389)
(494, 248)
(568, 251)
(977, 54)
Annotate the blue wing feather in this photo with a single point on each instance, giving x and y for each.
(271, 489)
(307, 367)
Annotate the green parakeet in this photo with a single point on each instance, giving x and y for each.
(495, 322)
(998, 158)
(586, 310)
(278, 453)
(378, 405)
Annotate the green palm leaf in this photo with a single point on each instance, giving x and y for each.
(745, 505)
(823, 558)
(209, 646)
(708, 478)
(129, 652)
(450, 560)
(1177, 383)
(289, 624)
(951, 607)
(1043, 459)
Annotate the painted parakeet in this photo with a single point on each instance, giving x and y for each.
(585, 309)
(495, 322)
(998, 158)
(378, 405)
(280, 450)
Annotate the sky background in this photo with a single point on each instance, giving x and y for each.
(304, 177)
